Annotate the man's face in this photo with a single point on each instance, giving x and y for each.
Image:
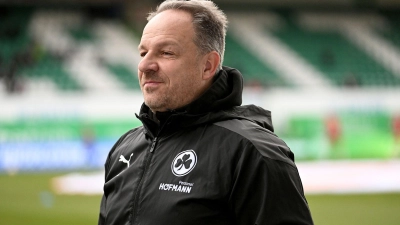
(170, 72)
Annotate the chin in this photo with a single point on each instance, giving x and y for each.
(154, 106)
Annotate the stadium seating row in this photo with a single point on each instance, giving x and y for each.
(291, 50)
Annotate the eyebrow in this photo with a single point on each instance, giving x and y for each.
(162, 43)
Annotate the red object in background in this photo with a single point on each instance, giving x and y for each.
(396, 127)
(333, 129)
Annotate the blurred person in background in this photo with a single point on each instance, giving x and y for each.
(200, 157)
(333, 130)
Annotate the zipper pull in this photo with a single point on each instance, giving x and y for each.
(153, 145)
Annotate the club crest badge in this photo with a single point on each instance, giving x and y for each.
(184, 163)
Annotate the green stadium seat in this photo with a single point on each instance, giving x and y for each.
(336, 57)
(253, 70)
(52, 69)
(125, 75)
(393, 32)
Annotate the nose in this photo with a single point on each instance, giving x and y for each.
(148, 64)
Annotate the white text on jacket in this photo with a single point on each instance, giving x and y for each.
(175, 187)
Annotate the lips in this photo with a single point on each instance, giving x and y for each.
(151, 83)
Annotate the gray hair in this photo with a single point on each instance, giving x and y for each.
(210, 23)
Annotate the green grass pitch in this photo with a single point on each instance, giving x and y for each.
(28, 199)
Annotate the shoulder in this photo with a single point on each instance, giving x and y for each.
(122, 143)
(131, 133)
(267, 144)
(127, 137)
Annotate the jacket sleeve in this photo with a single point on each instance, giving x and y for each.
(102, 218)
(267, 188)
(103, 203)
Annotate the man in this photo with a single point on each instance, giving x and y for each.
(200, 157)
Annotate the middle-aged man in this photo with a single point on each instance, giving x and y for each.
(200, 157)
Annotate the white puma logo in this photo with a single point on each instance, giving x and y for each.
(122, 159)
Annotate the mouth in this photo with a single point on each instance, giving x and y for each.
(151, 83)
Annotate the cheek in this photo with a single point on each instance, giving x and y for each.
(183, 78)
(188, 86)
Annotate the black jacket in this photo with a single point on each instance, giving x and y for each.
(211, 162)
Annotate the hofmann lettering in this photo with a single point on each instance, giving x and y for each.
(175, 187)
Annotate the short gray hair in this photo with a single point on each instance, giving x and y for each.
(210, 23)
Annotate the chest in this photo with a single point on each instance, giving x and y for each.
(184, 179)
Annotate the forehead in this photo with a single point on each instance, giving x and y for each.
(170, 26)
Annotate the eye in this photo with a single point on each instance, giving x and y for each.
(143, 54)
(167, 53)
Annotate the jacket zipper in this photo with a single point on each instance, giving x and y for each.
(147, 163)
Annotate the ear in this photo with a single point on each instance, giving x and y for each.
(212, 60)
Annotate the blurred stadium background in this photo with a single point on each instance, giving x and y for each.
(328, 70)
